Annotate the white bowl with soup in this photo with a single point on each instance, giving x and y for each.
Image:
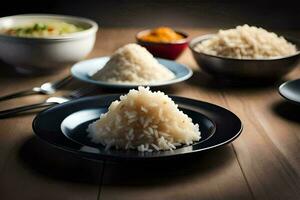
(43, 43)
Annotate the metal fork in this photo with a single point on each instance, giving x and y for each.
(45, 88)
(48, 102)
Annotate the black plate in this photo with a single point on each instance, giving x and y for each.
(65, 127)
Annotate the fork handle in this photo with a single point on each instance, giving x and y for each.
(19, 94)
(14, 111)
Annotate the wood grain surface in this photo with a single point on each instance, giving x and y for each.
(263, 163)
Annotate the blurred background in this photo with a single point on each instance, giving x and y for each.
(179, 13)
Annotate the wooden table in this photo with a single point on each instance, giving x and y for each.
(263, 163)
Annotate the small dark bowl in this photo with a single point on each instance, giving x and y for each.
(164, 50)
(245, 69)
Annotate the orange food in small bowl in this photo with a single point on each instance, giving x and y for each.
(163, 42)
(162, 34)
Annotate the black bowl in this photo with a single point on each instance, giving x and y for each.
(232, 68)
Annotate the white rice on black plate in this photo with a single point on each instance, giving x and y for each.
(146, 121)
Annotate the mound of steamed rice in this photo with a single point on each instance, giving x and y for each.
(133, 64)
(145, 121)
(246, 42)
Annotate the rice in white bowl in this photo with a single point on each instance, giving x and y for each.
(133, 64)
(247, 42)
(146, 121)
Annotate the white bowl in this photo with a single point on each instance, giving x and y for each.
(47, 53)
